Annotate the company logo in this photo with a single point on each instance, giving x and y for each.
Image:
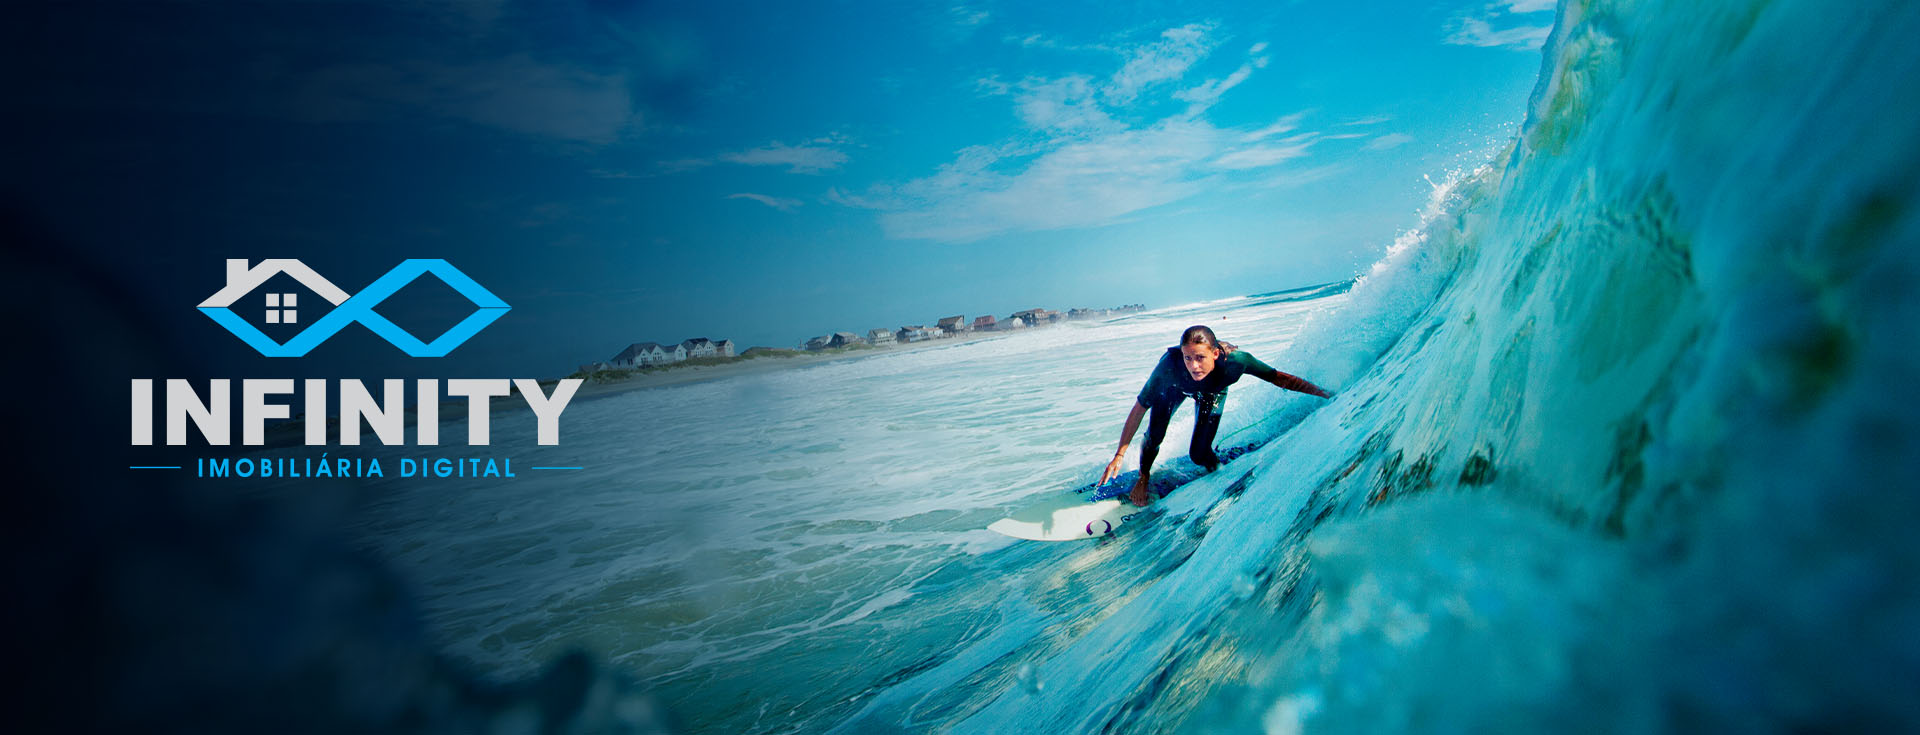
(284, 308)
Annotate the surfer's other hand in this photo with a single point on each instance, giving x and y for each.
(1139, 495)
(1113, 469)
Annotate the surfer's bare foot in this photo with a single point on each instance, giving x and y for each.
(1139, 495)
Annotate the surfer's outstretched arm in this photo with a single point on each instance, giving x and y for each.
(1296, 384)
(1266, 372)
(1126, 437)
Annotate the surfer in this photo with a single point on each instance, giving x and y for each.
(1201, 367)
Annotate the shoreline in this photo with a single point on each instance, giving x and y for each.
(683, 375)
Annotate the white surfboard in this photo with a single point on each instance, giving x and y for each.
(1067, 518)
(1071, 516)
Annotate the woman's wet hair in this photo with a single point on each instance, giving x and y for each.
(1199, 334)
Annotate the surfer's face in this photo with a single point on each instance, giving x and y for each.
(1199, 359)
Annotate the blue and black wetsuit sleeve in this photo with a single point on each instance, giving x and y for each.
(1261, 370)
(1252, 365)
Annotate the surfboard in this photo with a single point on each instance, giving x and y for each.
(1094, 510)
(1065, 519)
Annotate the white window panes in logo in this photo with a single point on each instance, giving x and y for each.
(280, 308)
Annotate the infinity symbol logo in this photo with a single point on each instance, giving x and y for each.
(242, 280)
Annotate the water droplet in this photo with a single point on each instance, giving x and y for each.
(1029, 679)
(1243, 586)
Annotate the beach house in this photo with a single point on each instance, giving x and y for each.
(915, 333)
(953, 325)
(648, 354)
(1036, 317)
(880, 337)
(640, 354)
(699, 347)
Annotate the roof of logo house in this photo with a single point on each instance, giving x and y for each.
(243, 280)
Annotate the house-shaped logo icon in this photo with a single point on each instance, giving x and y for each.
(284, 308)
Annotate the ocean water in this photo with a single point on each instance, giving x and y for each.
(1624, 441)
(805, 547)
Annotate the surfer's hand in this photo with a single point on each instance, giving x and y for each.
(1139, 495)
(1113, 468)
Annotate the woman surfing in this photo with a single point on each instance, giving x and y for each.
(1201, 367)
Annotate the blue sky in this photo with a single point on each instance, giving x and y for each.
(762, 172)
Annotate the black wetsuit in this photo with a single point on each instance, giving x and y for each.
(1170, 384)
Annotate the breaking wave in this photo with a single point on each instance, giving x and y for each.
(1625, 439)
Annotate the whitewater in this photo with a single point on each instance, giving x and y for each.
(1623, 440)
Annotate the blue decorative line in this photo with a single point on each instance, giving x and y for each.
(555, 468)
(151, 467)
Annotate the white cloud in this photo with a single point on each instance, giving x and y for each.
(1035, 40)
(1374, 120)
(809, 158)
(1061, 105)
(1283, 125)
(836, 195)
(683, 165)
(784, 205)
(1163, 60)
(1529, 6)
(1479, 32)
(1082, 167)
(1203, 95)
(1261, 156)
(1290, 177)
(1498, 25)
(1081, 184)
(1389, 141)
(1090, 182)
(967, 17)
(992, 86)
